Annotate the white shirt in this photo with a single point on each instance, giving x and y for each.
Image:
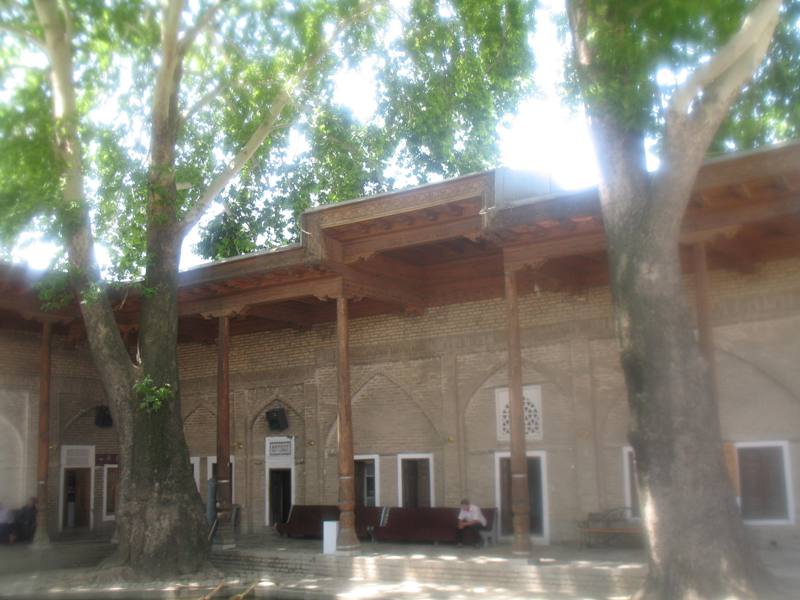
(472, 513)
(5, 515)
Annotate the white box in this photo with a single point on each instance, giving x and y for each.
(330, 533)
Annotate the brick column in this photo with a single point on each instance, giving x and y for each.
(224, 535)
(520, 501)
(41, 539)
(347, 540)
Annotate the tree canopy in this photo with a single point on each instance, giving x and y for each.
(445, 74)
(643, 50)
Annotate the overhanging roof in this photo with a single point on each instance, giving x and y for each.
(446, 242)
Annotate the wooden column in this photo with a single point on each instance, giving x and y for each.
(705, 332)
(347, 540)
(520, 502)
(224, 531)
(41, 538)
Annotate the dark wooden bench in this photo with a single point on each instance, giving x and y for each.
(429, 524)
(609, 526)
(368, 518)
(305, 520)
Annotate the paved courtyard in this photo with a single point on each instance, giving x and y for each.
(269, 566)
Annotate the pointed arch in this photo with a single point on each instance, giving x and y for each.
(71, 421)
(358, 397)
(758, 369)
(203, 405)
(275, 400)
(548, 376)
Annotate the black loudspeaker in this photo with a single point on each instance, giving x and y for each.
(102, 416)
(276, 419)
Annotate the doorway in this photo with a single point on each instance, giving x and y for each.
(415, 480)
(280, 495)
(77, 498)
(278, 479)
(367, 474)
(76, 488)
(537, 476)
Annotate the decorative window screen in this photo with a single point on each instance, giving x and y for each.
(532, 412)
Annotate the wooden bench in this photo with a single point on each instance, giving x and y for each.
(305, 520)
(368, 518)
(609, 526)
(428, 524)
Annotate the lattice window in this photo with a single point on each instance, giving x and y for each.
(532, 413)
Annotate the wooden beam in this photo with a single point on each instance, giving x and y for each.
(326, 287)
(347, 540)
(29, 308)
(244, 266)
(393, 203)
(358, 284)
(520, 501)
(436, 232)
(532, 255)
(400, 270)
(292, 316)
(759, 164)
(41, 538)
(223, 477)
(705, 225)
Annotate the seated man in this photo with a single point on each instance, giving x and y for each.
(25, 521)
(470, 522)
(6, 525)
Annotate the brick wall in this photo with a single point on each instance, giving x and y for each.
(426, 384)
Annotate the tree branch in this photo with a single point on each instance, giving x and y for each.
(204, 20)
(194, 214)
(221, 181)
(165, 80)
(69, 25)
(202, 102)
(25, 36)
(98, 317)
(688, 135)
(761, 20)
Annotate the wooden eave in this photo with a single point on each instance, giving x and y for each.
(451, 241)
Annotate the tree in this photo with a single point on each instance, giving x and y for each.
(200, 99)
(696, 541)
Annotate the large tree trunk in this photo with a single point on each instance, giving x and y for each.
(165, 528)
(697, 545)
(161, 522)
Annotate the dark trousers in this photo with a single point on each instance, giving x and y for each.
(469, 534)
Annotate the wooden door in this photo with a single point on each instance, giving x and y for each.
(535, 493)
(280, 495)
(416, 475)
(77, 497)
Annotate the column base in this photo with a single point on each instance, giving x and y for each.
(224, 538)
(41, 541)
(347, 542)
